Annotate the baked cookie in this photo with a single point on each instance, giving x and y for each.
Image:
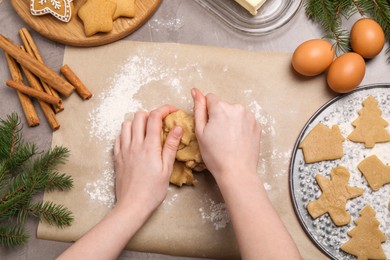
(370, 127)
(366, 238)
(335, 193)
(322, 143)
(376, 173)
(97, 16)
(124, 8)
(60, 9)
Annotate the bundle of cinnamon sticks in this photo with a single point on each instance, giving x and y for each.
(44, 84)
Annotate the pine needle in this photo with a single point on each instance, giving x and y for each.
(51, 213)
(12, 236)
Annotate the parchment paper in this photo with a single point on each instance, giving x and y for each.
(191, 220)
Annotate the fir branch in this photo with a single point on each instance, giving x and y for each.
(58, 181)
(13, 151)
(12, 236)
(28, 183)
(21, 176)
(51, 213)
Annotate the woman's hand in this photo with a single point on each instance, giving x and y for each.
(228, 135)
(142, 165)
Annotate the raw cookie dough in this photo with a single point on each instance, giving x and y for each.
(376, 173)
(335, 193)
(322, 144)
(370, 127)
(366, 238)
(188, 156)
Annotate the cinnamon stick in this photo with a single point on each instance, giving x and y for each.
(46, 108)
(81, 89)
(36, 67)
(32, 49)
(25, 101)
(43, 96)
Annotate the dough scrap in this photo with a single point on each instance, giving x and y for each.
(322, 143)
(366, 238)
(335, 193)
(181, 174)
(376, 173)
(188, 157)
(370, 127)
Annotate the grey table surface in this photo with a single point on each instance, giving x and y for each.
(179, 21)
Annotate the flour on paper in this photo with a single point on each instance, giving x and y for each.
(102, 189)
(215, 213)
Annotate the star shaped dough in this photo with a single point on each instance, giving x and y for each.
(97, 16)
(335, 193)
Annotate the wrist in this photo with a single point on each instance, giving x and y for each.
(132, 214)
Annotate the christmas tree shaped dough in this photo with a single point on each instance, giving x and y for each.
(335, 193)
(376, 173)
(366, 238)
(370, 127)
(322, 144)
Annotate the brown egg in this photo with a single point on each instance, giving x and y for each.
(346, 72)
(367, 38)
(312, 57)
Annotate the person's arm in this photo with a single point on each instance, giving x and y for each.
(142, 168)
(229, 141)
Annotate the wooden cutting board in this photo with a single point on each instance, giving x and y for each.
(72, 33)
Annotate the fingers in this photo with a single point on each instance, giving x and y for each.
(211, 100)
(117, 146)
(139, 127)
(170, 148)
(154, 125)
(125, 136)
(200, 109)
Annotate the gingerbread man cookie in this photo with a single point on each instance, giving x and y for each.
(335, 193)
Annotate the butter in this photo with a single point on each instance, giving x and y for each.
(251, 5)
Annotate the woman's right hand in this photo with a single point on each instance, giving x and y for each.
(228, 135)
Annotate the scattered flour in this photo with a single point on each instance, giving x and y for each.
(267, 122)
(267, 186)
(216, 214)
(102, 189)
(167, 24)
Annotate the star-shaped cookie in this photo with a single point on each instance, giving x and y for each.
(124, 8)
(97, 16)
